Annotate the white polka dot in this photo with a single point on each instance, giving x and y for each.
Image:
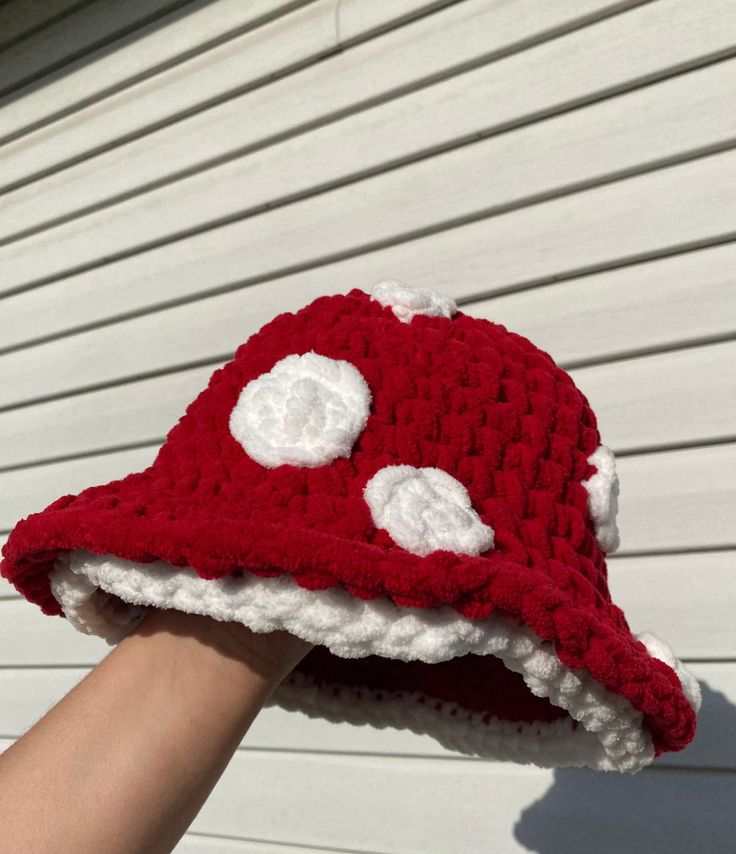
(306, 411)
(603, 490)
(406, 301)
(659, 649)
(426, 509)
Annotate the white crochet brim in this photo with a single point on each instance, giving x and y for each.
(107, 596)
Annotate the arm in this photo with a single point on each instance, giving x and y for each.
(124, 762)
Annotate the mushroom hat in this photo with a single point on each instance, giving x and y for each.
(420, 493)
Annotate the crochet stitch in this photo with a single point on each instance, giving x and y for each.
(422, 494)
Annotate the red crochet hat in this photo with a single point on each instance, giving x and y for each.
(423, 495)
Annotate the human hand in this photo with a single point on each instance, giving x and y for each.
(273, 655)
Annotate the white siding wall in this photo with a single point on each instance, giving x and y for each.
(174, 174)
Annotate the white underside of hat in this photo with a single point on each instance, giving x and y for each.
(92, 589)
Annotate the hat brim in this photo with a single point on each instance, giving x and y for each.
(623, 706)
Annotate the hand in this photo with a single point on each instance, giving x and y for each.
(273, 655)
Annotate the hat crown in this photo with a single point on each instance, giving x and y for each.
(444, 391)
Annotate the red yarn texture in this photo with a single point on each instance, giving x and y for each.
(462, 394)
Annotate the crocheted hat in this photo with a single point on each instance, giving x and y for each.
(423, 495)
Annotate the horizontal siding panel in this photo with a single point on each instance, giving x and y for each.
(683, 397)
(632, 309)
(113, 417)
(434, 805)
(536, 161)
(460, 107)
(639, 404)
(464, 33)
(33, 638)
(390, 805)
(685, 599)
(24, 491)
(601, 226)
(73, 36)
(29, 694)
(159, 49)
(356, 17)
(20, 18)
(635, 308)
(192, 843)
(676, 500)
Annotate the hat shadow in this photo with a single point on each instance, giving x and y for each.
(663, 809)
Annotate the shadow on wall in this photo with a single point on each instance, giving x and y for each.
(660, 810)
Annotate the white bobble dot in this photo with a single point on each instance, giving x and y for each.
(659, 649)
(306, 411)
(426, 509)
(407, 302)
(603, 491)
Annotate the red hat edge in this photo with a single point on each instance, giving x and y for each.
(648, 717)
